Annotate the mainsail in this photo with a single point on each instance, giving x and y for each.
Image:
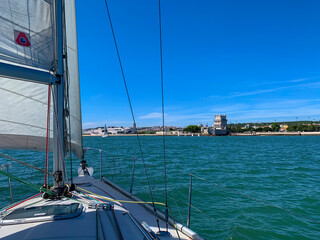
(34, 21)
(28, 41)
(72, 75)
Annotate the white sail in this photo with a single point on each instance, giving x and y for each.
(27, 38)
(24, 105)
(23, 115)
(72, 74)
(27, 32)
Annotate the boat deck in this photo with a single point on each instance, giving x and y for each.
(98, 216)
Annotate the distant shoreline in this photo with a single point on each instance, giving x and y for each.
(277, 134)
(232, 134)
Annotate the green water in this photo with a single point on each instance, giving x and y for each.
(236, 172)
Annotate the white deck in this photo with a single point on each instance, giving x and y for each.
(86, 226)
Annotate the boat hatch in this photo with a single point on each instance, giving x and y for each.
(42, 213)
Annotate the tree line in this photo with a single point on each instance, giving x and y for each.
(275, 127)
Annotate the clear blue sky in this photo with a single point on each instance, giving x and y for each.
(252, 60)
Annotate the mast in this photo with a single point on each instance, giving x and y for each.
(58, 119)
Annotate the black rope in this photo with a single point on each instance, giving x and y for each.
(163, 132)
(131, 109)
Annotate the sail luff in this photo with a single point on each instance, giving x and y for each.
(72, 75)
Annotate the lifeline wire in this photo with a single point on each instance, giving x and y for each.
(23, 163)
(131, 109)
(41, 189)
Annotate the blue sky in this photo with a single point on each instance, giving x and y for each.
(252, 60)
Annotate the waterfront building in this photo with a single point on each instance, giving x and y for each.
(207, 130)
(93, 131)
(156, 128)
(168, 133)
(220, 125)
(283, 128)
(134, 128)
(115, 130)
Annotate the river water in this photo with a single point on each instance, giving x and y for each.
(243, 187)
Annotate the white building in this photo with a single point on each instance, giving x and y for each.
(115, 130)
(121, 130)
(93, 131)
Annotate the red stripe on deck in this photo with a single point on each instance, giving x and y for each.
(23, 201)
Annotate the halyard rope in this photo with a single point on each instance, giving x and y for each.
(162, 101)
(131, 109)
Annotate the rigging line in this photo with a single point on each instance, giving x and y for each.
(19, 94)
(67, 134)
(24, 163)
(125, 201)
(174, 223)
(162, 98)
(55, 115)
(178, 209)
(211, 218)
(47, 138)
(131, 109)
(23, 124)
(101, 225)
(29, 184)
(258, 200)
(117, 224)
(69, 118)
(97, 227)
(65, 128)
(49, 135)
(67, 81)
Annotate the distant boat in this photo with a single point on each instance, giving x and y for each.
(106, 134)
